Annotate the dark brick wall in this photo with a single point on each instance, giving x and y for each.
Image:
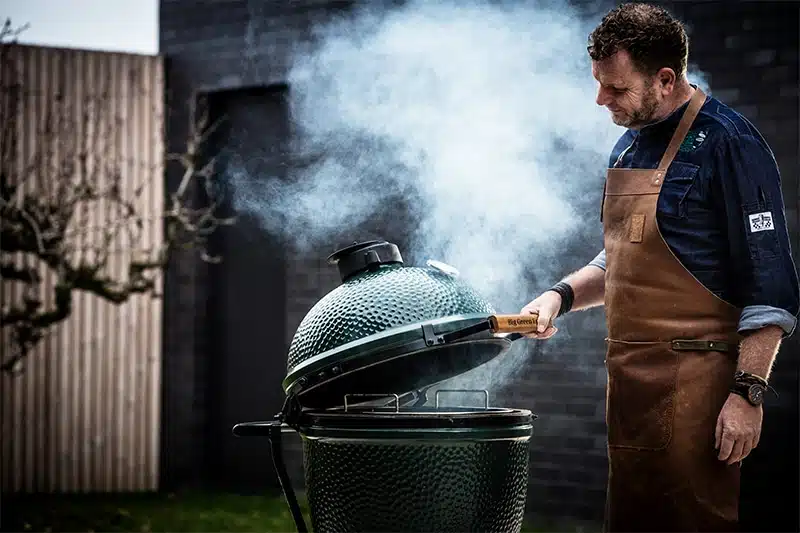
(209, 47)
(749, 54)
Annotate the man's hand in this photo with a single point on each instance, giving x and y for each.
(738, 429)
(546, 306)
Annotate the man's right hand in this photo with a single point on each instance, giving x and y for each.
(546, 306)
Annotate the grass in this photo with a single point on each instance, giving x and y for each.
(189, 512)
(146, 512)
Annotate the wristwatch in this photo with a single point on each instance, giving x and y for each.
(752, 392)
(750, 387)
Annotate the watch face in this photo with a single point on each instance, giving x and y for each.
(755, 394)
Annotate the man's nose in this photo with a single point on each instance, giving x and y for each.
(603, 97)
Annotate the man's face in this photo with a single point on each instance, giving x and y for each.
(631, 96)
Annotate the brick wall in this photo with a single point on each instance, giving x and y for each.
(748, 52)
(213, 47)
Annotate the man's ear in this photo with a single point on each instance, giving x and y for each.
(666, 79)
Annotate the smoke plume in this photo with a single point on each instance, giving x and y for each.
(477, 119)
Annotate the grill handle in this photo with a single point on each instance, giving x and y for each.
(516, 326)
(274, 430)
(513, 323)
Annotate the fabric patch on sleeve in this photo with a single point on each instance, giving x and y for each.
(761, 222)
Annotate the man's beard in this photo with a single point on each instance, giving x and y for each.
(641, 116)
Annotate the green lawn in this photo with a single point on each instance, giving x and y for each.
(146, 512)
(191, 512)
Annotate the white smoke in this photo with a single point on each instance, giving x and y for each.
(480, 116)
(483, 115)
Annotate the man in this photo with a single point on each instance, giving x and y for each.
(696, 276)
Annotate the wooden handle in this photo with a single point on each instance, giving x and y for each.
(513, 323)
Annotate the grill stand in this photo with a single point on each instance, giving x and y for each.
(283, 476)
(288, 416)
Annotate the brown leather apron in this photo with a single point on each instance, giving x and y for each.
(671, 357)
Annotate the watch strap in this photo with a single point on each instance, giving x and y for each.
(742, 381)
(747, 392)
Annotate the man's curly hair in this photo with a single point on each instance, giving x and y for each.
(653, 38)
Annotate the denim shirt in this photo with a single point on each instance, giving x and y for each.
(721, 211)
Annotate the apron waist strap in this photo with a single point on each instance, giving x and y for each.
(702, 346)
(689, 345)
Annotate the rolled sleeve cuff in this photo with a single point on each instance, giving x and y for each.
(758, 316)
(599, 261)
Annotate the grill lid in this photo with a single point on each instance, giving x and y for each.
(388, 327)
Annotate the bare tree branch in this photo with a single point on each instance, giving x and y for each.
(9, 33)
(69, 208)
(9, 271)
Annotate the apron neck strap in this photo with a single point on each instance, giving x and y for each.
(697, 101)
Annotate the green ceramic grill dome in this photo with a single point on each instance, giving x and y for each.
(374, 301)
(380, 330)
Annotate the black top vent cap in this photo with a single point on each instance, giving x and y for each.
(361, 256)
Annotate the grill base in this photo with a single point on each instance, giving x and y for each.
(416, 485)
